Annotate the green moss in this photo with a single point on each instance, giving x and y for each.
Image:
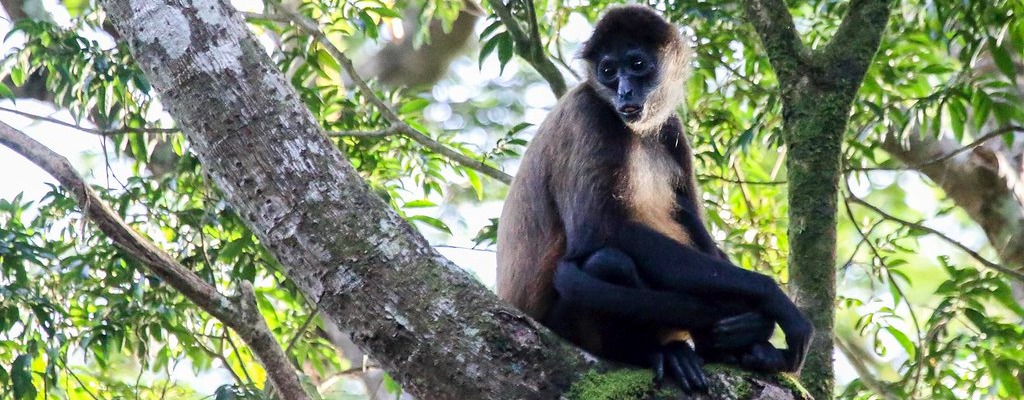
(614, 385)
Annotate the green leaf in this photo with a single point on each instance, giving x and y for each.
(5, 92)
(21, 378)
(491, 28)
(17, 76)
(419, 204)
(957, 117)
(505, 51)
(413, 106)
(391, 386)
(385, 12)
(904, 341)
(474, 181)
(488, 48)
(369, 25)
(1003, 60)
(432, 222)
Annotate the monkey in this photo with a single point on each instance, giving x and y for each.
(601, 237)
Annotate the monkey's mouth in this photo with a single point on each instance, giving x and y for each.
(630, 112)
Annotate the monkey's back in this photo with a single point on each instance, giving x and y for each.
(531, 237)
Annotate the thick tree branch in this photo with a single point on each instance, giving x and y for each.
(856, 41)
(528, 44)
(387, 110)
(239, 314)
(774, 24)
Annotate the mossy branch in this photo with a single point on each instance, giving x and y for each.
(774, 25)
(856, 41)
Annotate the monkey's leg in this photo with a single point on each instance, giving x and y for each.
(666, 265)
(635, 340)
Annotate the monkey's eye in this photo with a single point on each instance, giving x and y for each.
(638, 64)
(607, 72)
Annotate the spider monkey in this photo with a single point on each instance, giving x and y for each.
(601, 236)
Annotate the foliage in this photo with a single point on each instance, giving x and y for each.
(81, 319)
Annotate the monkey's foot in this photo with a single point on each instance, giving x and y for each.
(684, 366)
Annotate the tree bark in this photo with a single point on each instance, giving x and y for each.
(439, 332)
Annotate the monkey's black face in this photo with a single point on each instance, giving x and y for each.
(631, 72)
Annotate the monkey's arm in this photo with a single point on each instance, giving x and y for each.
(689, 217)
(665, 265)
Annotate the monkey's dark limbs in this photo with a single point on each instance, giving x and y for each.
(607, 284)
(661, 261)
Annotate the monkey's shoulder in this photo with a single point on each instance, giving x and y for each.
(583, 111)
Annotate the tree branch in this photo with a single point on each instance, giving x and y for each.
(239, 314)
(977, 142)
(774, 25)
(856, 41)
(984, 261)
(387, 110)
(528, 44)
(100, 132)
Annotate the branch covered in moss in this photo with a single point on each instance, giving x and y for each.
(856, 41)
(774, 24)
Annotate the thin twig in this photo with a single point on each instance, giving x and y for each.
(75, 377)
(302, 329)
(889, 275)
(238, 355)
(739, 181)
(387, 110)
(379, 133)
(984, 261)
(94, 131)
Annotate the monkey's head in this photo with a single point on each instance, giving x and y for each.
(638, 63)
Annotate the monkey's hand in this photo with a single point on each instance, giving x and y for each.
(742, 331)
(683, 364)
(794, 324)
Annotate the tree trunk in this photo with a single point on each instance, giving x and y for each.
(818, 87)
(439, 332)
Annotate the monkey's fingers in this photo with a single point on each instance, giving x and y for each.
(686, 367)
(798, 340)
(658, 366)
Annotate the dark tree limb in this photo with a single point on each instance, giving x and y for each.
(528, 44)
(240, 314)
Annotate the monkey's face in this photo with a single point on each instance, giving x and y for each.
(629, 72)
